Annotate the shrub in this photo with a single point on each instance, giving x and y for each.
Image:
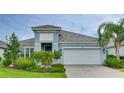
(121, 57)
(112, 56)
(36, 69)
(46, 57)
(44, 70)
(7, 58)
(112, 62)
(122, 63)
(6, 62)
(57, 54)
(23, 63)
(37, 56)
(57, 65)
(56, 70)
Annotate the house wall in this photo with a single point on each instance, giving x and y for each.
(37, 45)
(1, 52)
(111, 48)
(111, 51)
(53, 38)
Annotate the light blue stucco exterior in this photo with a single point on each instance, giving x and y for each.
(58, 45)
(55, 42)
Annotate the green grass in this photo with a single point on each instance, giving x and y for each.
(13, 73)
(121, 69)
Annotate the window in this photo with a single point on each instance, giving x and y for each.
(46, 37)
(27, 52)
(31, 51)
(46, 46)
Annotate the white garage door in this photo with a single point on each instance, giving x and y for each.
(81, 56)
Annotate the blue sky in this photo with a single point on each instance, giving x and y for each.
(80, 23)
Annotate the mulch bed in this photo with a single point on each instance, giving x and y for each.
(12, 67)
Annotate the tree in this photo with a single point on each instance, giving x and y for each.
(0, 59)
(46, 58)
(37, 56)
(13, 48)
(57, 54)
(115, 31)
(7, 58)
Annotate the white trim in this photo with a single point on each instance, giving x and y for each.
(82, 47)
(28, 47)
(29, 52)
(24, 52)
(79, 42)
(102, 56)
(48, 31)
(114, 46)
(45, 41)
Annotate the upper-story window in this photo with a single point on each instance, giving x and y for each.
(46, 37)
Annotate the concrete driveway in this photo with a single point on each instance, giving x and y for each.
(92, 71)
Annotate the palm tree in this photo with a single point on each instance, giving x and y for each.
(46, 58)
(110, 30)
(37, 56)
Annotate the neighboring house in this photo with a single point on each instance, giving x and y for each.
(76, 48)
(111, 48)
(2, 48)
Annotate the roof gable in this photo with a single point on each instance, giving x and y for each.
(46, 28)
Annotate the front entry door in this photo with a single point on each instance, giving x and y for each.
(46, 46)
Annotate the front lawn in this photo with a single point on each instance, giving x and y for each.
(121, 69)
(13, 73)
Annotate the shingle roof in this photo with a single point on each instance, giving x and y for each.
(28, 42)
(2, 44)
(66, 36)
(46, 26)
